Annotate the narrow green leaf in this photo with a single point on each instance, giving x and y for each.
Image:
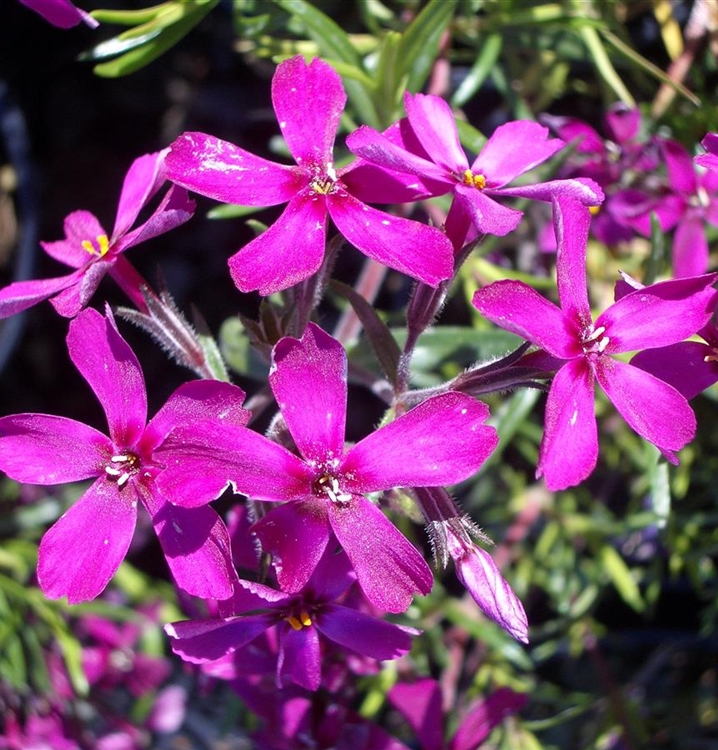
(129, 17)
(659, 482)
(480, 70)
(604, 65)
(229, 211)
(382, 342)
(420, 42)
(620, 575)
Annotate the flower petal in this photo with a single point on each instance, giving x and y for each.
(658, 315)
(79, 227)
(513, 149)
(388, 567)
(407, 453)
(690, 248)
(290, 251)
(483, 717)
(200, 641)
(80, 553)
(654, 409)
(363, 633)
(433, 123)
(74, 298)
(684, 366)
(487, 215)
(220, 170)
(569, 449)
(196, 472)
(420, 704)
(111, 369)
(308, 101)
(420, 251)
(296, 534)
(144, 178)
(681, 172)
(42, 449)
(196, 546)
(195, 401)
(520, 309)
(309, 381)
(581, 189)
(299, 657)
(571, 223)
(21, 295)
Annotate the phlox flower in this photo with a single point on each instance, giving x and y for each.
(89, 249)
(61, 13)
(301, 621)
(709, 160)
(426, 146)
(81, 552)
(441, 441)
(421, 703)
(655, 316)
(308, 101)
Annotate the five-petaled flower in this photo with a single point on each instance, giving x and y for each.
(441, 441)
(89, 250)
(308, 101)
(655, 316)
(83, 549)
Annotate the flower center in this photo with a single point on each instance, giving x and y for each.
(323, 182)
(328, 485)
(99, 249)
(299, 621)
(593, 341)
(121, 467)
(712, 356)
(470, 179)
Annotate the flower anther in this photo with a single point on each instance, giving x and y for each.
(593, 341)
(329, 485)
(122, 467)
(100, 249)
(470, 179)
(297, 623)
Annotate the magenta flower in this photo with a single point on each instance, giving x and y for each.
(308, 101)
(83, 549)
(420, 702)
(301, 622)
(89, 250)
(442, 441)
(655, 316)
(60, 13)
(709, 160)
(426, 145)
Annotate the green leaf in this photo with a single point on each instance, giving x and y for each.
(130, 17)
(659, 481)
(620, 574)
(382, 342)
(238, 353)
(480, 70)
(230, 211)
(604, 65)
(420, 42)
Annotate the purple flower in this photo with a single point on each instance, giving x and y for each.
(420, 702)
(655, 316)
(89, 250)
(301, 621)
(308, 101)
(60, 13)
(83, 549)
(709, 160)
(442, 441)
(426, 145)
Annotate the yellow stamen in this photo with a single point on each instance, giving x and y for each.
(103, 245)
(294, 623)
(306, 620)
(594, 210)
(474, 180)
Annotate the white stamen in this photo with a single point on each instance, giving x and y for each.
(123, 479)
(603, 343)
(112, 471)
(119, 459)
(596, 334)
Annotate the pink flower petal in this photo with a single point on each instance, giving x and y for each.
(569, 449)
(296, 534)
(60, 13)
(309, 381)
(681, 365)
(683, 306)
(513, 149)
(290, 251)
(80, 553)
(622, 122)
(433, 123)
(571, 224)
(195, 472)
(690, 248)
(388, 567)
(200, 641)
(581, 189)
(196, 546)
(308, 101)
(144, 178)
(363, 633)
(654, 409)
(420, 703)
(42, 449)
(483, 717)
(420, 251)
(220, 170)
(79, 227)
(487, 215)
(407, 453)
(681, 172)
(22, 295)
(111, 369)
(299, 657)
(520, 309)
